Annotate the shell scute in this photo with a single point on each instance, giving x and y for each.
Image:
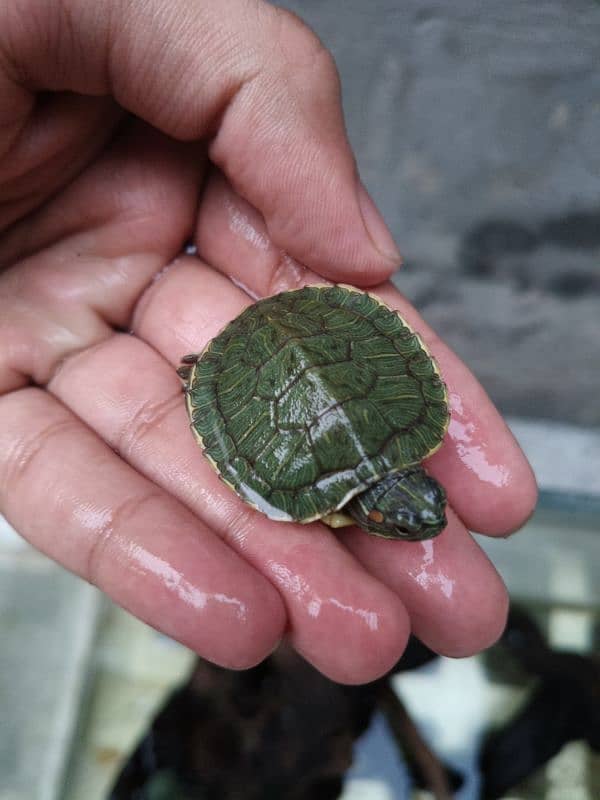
(291, 463)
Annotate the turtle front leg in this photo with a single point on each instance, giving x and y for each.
(184, 373)
(187, 364)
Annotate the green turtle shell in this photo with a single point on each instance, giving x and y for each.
(310, 396)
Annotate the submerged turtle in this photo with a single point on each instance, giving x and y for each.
(320, 404)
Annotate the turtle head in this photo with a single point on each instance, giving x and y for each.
(407, 505)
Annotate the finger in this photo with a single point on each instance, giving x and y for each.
(200, 300)
(489, 482)
(76, 268)
(251, 77)
(61, 138)
(96, 516)
(342, 620)
(231, 235)
(456, 600)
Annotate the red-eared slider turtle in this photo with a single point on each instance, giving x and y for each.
(321, 404)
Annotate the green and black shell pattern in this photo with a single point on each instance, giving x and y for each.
(310, 396)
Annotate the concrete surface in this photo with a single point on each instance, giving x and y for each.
(477, 129)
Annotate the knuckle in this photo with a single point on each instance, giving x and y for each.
(13, 374)
(29, 444)
(113, 530)
(239, 523)
(40, 328)
(303, 52)
(146, 422)
(323, 63)
(287, 273)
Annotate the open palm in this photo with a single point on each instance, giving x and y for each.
(126, 134)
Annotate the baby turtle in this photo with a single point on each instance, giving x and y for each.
(320, 404)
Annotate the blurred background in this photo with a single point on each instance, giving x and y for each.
(477, 131)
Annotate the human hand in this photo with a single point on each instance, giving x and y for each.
(126, 129)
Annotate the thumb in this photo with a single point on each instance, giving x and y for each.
(251, 79)
(283, 146)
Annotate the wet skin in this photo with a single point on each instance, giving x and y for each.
(97, 305)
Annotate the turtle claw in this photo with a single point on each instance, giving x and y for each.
(191, 358)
